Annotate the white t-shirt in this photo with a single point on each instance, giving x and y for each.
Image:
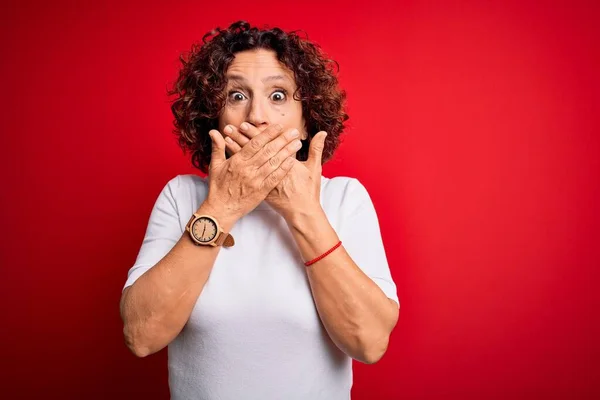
(254, 332)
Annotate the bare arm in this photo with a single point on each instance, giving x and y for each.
(158, 305)
(356, 313)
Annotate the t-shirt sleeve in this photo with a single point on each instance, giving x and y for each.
(361, 237)
(162, 233)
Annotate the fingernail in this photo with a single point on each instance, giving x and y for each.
(297, 144)
(228, 129)
(244, 126)
(295, 133)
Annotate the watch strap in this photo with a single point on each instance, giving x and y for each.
(224, 239)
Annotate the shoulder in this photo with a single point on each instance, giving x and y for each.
(185, 192)
(187, 183)
(342, 184)
(347, 192)
(192, 180)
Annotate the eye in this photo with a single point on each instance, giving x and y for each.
(235, 96)
(279, 96)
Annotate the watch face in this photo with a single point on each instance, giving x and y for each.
(204, 229)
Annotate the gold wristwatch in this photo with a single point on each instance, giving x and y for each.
(205, 231)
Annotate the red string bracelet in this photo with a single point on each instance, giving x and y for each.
(323, 255)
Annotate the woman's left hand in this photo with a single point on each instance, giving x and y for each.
(300, 190)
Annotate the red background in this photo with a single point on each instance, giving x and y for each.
(473, 126)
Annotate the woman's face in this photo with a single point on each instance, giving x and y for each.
(260, 91)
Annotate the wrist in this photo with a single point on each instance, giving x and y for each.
(223, 214)
(306, 219)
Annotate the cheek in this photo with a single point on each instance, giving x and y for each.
(290, 116)
(230, 116)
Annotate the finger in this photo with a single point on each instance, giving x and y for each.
(259, 141)
(275, 162)
(218, 147)
(234, 140)
(235, 134)
(275, 177)
(249, 130)
(315, 150)
(273, 147)
(232, 146)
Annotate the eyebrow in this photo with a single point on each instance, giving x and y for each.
(236, 77)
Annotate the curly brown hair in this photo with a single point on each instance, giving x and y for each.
(200, 87)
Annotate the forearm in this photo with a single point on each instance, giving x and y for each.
(356, 313)
(158, 305)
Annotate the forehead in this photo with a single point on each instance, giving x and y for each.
(259, 65)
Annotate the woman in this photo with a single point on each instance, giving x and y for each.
(302, 285)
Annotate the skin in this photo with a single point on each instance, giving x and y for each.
(260, 91)
(355, 312)
(260, 94)
(158, 305)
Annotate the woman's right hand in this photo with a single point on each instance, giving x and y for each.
(236, 185)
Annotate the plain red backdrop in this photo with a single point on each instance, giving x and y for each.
(474, 127)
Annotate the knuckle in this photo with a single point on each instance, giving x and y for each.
(255, 145)
(274, 161)
(255, 185)
(246, 173)
(273, 179)
(268, 151)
